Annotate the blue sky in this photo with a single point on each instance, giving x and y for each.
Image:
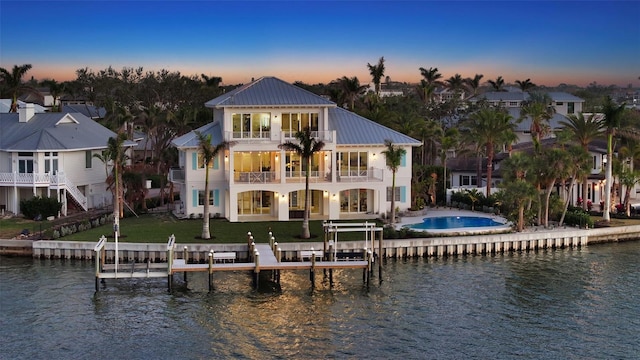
(550, 42)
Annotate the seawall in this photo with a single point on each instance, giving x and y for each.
(391, 248)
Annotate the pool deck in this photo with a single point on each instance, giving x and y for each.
(440, 212)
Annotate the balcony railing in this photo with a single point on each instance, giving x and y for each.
(255, 177)
(176, 175)
(278, 136)
(314, 176)
(54, 181)
(372, 175)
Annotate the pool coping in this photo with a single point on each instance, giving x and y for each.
(442, 212)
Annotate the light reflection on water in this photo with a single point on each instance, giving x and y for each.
(570, 304)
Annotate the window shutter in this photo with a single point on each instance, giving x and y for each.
(403, 194)
(194, 160)
(216, 162)
(216, 197)
(194, 193)
(403, 160)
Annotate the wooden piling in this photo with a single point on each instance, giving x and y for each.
(256, 271)
(312, 272)
(211, 270)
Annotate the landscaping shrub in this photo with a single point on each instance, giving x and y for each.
(43, 206)
(578, 217)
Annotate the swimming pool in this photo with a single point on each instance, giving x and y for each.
(454, 222)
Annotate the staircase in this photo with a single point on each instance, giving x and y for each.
(76, 195)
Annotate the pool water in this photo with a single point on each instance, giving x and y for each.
(454, 222)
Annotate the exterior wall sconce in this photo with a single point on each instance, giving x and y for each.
(276, 157)
(334, 196)
(283, 195)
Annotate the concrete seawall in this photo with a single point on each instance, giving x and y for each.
(392, 248)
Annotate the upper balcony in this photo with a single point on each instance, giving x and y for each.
(266, 135)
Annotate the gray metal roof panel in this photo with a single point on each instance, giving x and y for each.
(502, 96)
(563, 96)
(353, 129)
(268, 91)
(43, 132)
(190, 139)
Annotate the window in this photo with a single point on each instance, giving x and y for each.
(294, 122)
(201, 161)
(513, 103)
(352, 163)
(201, 197)
(25, 162)
(466, 180)
(251, 126)
(559, 103)
(571, 108)
(397, 193)
(88, 159)
(51, 162)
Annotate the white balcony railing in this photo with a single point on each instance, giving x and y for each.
(372, 175)
(54, 181)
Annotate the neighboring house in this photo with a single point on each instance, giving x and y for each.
(5, 106)
(40, 96)
(51, 154)
(464, 172)
(563, 103)
(446, 94)
(87, 110)
(255, 180)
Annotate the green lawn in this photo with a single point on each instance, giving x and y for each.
(156, 228)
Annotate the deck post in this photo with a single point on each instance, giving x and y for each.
(279, 259)
(256, 271)
(370, 266)
(210, 270)
(274, 272)
(170, 246)
(312, 272)
(332, 258)
(185, 256)
(380, 258)
(252, 249)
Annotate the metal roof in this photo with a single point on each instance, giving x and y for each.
(563, 96)
(5, 106)
(190, 139)
(353, 129)
(86, 110)
(502, 96)
(269, 91)
(525, 124)
(53, 132)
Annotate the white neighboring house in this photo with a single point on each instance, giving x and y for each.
(255, 180)
(51, 154)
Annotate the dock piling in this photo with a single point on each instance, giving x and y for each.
(211, 270)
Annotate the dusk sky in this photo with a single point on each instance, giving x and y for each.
(550, 42)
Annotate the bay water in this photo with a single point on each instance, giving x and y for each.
(552, 304)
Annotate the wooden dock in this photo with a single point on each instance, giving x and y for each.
(264, 257)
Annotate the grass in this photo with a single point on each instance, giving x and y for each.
(156, 228)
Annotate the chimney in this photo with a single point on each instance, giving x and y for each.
(25, 113)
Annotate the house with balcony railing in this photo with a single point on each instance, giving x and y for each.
(51, 154)
(256, 180)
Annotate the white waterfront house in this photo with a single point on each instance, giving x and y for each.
(255, 180)
(51, 154)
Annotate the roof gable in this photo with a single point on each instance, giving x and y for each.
(269, 91)
(67, 119)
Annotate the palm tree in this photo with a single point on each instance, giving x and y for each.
(55, 89)
(208, 151)
(497, 84)
(516, 189)
(115, 155)
(450, 140)
(431, 76)
(377, 72)
(455, 84)
(578, 161)
(12, 82)
(611, 122)
(490, 127)
(351, 89)
(583, 130)
(474, 83)
(306, 147)
(525, 85)
(540, 114)
(393, 156)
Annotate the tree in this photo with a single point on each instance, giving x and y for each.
(393, 156)
(306, 147)
(455, 84)
(578, 162)
(611, 122)
(516, 190)
(351, 90)
(525, 85)
(474, 83)
(489, 127)
(431, 76)
(450, 140)
(377, 72)
(497, 84)
(12, 83)
(208, 152)
(540, 113)
(583, 130)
